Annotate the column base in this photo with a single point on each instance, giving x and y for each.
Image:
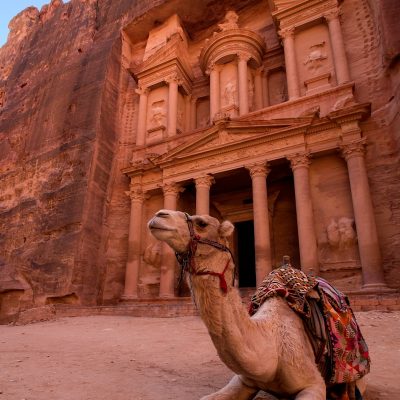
(376, 288)
(129, 297)
(167, 296)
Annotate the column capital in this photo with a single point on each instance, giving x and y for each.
(332, 14)
(259, 169)
(286, 32)
(299, 160)
(174, 79)
(353, 149)
(213, 67)
(172, 188)
(204, 181)
(243, 56)
(136, 193)
(142, 90)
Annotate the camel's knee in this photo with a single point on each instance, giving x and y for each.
(234, 390)
(315, 392)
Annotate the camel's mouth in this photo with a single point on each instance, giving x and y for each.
(155, 225)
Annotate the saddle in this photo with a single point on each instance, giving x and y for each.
(340, 350)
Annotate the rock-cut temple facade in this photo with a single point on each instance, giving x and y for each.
(281, 116)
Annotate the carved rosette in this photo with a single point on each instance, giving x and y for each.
(353, 149)
(299, 160)
(172, 189)
(257, 170)
(204, 181)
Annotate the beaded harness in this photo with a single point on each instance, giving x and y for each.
(186, 258)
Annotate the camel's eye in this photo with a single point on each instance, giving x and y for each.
(201, 224)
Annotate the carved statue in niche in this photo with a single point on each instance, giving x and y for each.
(340, 243)
(204, 121)
(179, 119)
(150, 276)
(230, 94)
(251, 93)
(315, 59)
(158, 115)
(230, 22)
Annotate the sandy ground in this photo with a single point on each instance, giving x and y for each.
(125, 358)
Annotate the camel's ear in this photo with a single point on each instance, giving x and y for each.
(226, 229)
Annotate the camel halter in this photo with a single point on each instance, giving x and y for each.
(186, 259)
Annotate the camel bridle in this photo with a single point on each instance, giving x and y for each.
(186, 258)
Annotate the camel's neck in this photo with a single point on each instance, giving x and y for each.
(225, 316)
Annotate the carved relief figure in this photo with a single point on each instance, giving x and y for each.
(251, 93)
(230, 94)
(315, 58)
(340, 243)
(230, 22)
(158, 115)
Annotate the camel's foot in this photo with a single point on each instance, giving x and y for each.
(234, 390)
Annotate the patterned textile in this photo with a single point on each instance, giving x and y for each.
(350, 356)
(287, 282)
(340, 349)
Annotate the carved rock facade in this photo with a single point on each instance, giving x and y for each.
(261, 114)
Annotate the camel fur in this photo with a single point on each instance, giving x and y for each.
(269, 351)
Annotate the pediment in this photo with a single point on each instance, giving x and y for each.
(226, 136)
(284, 4)
(174, 51)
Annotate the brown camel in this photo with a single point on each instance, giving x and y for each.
(269, 351)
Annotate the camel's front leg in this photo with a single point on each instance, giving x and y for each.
(314, 392)
(234, 390)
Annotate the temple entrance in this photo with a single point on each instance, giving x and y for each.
(245, 253)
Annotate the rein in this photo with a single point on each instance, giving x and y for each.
(186, 259)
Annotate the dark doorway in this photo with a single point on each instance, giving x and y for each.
(245, 253)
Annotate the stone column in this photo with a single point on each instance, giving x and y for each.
(214, 91)
(258, 89)
(172, 106)
(193, 113)
(290, 61)
(338, 49)
(368, 244)
(203, 185)
(258, 173)
(243, 84)
(304, 211)
(142, 116)
(265, 89)
(134, 243)
(168, 260)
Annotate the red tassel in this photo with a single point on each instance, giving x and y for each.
(222, 283)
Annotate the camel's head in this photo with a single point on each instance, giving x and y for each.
(172, 227)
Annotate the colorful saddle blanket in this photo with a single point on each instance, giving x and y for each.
(339, 347)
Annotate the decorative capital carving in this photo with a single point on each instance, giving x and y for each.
(204, 181)
(299, 160)
(286, 33)
(213, 67)
(142, 90)
(353, 149)
(136, 193)
(256, 170)
(174, 79)
(332, 14)
(243, 56)
(172, 188)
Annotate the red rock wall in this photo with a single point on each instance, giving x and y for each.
(67, 108)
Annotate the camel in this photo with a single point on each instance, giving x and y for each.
(269, 351)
